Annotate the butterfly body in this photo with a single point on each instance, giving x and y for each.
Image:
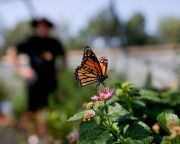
(91, 70)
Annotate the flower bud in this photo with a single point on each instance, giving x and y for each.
(156, 128)
(89, 105)
(88, 115)
(127, 86)
(97, 105)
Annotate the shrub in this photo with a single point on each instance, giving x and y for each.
(131, 116)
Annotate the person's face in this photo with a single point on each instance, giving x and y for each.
(42, 30)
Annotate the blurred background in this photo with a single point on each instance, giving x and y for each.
(139, 38)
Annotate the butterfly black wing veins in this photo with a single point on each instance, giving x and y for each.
(90, 70)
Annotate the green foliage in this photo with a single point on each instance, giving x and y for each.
(78, 115)
(150, 95)
(135, 30)
(19, 103)
(129, 117)
(106, 25)
(17, 98)
(135, 33)
(64, 103)
(168, 30)
(3, 92)
(57, 124)
(116, 112)
(138, 134)
(70, 95)
(74, 43)
(15, 35)
(166, 141)
(91, 133)
(166, 119)
(19, 32)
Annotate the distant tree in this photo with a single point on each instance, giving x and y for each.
(15, 34)
(105, 25)
(19, 32)
(135, 30)
(78, 41)
(169, 30)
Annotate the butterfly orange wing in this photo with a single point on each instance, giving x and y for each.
(84, 76)
(90, 61)
(103, 61)
(91, 70)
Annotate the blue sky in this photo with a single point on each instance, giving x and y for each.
(77, 12)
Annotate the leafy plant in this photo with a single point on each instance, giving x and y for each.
(123, 115)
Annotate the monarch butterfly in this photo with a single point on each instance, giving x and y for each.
(91, 69)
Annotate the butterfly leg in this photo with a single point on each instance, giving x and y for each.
(104, 84)
(97, 88)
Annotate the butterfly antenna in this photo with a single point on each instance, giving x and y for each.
(104, 84)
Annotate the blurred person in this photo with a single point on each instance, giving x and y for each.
(42, 51)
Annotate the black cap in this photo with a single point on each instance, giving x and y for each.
(35, 22)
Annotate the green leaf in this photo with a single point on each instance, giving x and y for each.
(167, 118)
(138, 133)
(117, 112)
(140, 103)
(112, 100)
(119, 92)
(126, 86)
(90, 133)
(150, 95)
(78, 115)
(145, 126)
(147, 140)
(167, 141)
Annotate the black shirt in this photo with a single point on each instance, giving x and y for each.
(42, 53)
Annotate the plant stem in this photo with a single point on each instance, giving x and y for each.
(121, 139)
